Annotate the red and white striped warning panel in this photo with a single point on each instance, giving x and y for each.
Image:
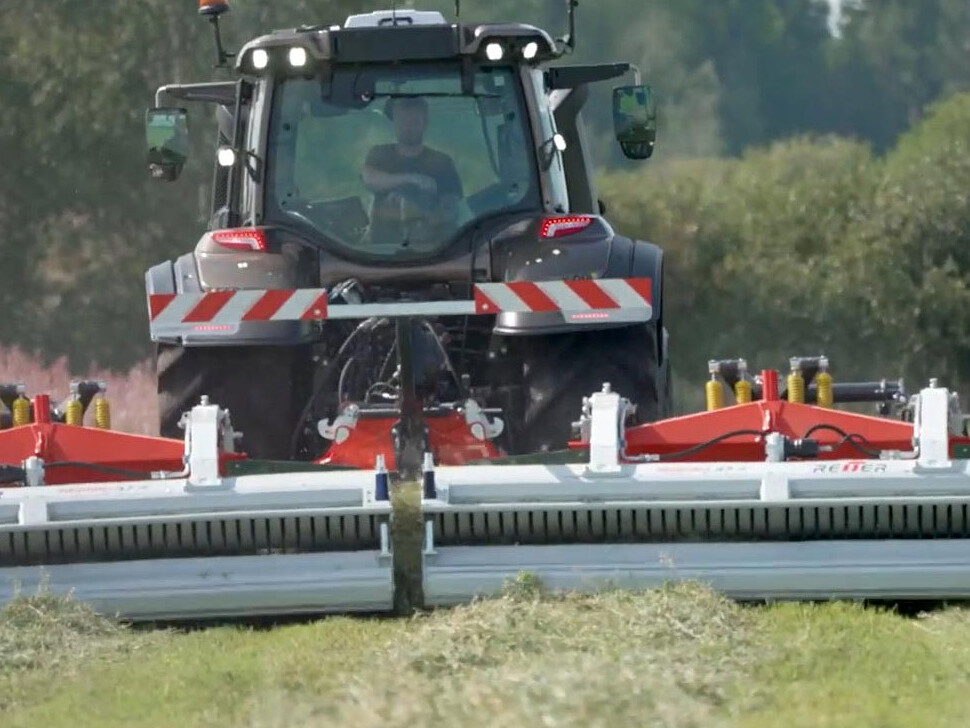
(621, 300)
(585, 297)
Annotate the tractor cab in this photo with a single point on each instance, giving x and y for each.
(391, 137)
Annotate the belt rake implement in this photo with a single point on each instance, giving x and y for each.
(771, 498)
(190, 540)
(764, 500)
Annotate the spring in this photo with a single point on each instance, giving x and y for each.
(715, 395)
(74, 413)
(796, 388)
(21, 412)
(826, 397)
(742, 392)
(102, 413)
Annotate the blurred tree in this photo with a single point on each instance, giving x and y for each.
(896, 57)
(908, 265)
(83, 217)
(751, 249)
(792, 230)
(768, 56)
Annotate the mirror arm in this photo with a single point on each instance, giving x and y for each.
(220, 92)
(637, 76)
(567, 44)
(569, 77)
(222, 55)
(243, 93)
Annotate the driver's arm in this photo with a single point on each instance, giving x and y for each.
(377, 180)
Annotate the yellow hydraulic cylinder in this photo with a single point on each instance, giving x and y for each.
(714, 395)
(74, 410)
(713, 391)
(742, 389)
(74, 413)
(823, 381)
(21, 412)
(742, 392)
(796, 383)
(102, 410)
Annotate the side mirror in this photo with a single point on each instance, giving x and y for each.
(167, 133)
(635, 120)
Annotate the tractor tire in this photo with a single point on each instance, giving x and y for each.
(559, 371)
(262, 387)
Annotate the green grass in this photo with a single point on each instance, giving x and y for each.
(680, 656)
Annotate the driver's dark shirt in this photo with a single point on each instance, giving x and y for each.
(430, 163)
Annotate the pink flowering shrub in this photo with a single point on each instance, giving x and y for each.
(134, 407)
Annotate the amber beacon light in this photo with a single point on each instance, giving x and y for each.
(213, 8)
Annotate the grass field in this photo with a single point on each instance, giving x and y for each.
(680, 656)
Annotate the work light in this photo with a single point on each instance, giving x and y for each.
(298, 57)
(494, 52)
(260, 59)
(226, 156)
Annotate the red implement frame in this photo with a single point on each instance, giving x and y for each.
(682, 434)
(451, 442)
(93, 454)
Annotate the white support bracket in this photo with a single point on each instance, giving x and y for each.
(33, 509)
(207, 433)
(478, 423)
(339, 431)
(931, 429)
(428, 546)
(775, 487)
(605, 418)
(33, 472)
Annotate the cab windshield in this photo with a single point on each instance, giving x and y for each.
(392, 162)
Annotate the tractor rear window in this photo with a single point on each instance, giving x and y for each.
(394, 162)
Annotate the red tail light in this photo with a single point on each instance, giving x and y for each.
(246, 239)
(559, 227)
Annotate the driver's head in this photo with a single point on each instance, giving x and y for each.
(410, 117)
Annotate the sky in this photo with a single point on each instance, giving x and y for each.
(836, 11)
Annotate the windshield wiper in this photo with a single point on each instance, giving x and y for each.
(435, 94)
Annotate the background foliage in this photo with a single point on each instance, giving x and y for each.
(811, 187)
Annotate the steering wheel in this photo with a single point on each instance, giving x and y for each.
(326, 215)
(416, 200)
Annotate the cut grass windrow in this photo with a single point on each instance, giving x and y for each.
(678, 656)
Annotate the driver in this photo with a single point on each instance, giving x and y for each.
(410, 181)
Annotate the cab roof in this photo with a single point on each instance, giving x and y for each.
(403, 35)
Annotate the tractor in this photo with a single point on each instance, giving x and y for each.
(400, 158)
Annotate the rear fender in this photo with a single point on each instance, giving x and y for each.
(595, 253)
(208, 269)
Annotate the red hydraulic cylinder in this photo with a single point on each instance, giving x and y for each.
(769, 385)
(42, 409)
